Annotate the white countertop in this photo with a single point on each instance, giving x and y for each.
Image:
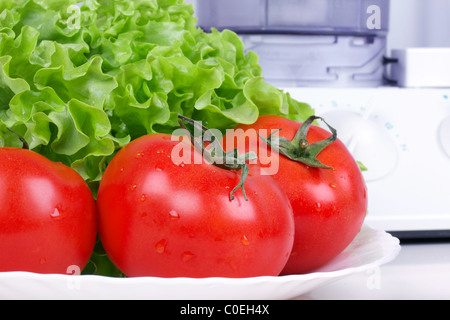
(420, 272)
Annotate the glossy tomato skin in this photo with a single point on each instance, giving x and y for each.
(48, 220)
(329, 205)
(165, 218)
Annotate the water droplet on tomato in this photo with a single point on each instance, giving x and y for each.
(143, 197)
(159, 168)
(55, 213)
(160, 246)
(332, 186)
(245, 240)
(187, 256)
(173, 215)
(318, 206)
(138, 155)
(132, 187)
(121, 170)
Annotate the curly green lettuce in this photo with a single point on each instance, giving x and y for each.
(80, 80)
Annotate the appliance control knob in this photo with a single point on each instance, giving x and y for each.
(367, 140)
(444, 135)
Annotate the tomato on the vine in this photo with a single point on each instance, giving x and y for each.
(48, 221)
(165, 217)
(322, 180)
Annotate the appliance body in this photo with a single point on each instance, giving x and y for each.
(308, 42)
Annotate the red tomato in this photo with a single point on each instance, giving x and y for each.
(166, 218)
(329, 204)
(48, 220)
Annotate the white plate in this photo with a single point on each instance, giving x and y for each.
(370, 249)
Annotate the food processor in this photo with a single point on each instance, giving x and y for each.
(314, 43)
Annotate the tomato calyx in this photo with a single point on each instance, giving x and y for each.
(299, 149)
(215, 154)
(22, 139)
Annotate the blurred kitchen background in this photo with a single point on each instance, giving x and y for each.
(414, 23)
(419, 23)
(379, 71)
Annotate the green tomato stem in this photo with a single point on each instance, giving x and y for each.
(216, 156)
(299, 149)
